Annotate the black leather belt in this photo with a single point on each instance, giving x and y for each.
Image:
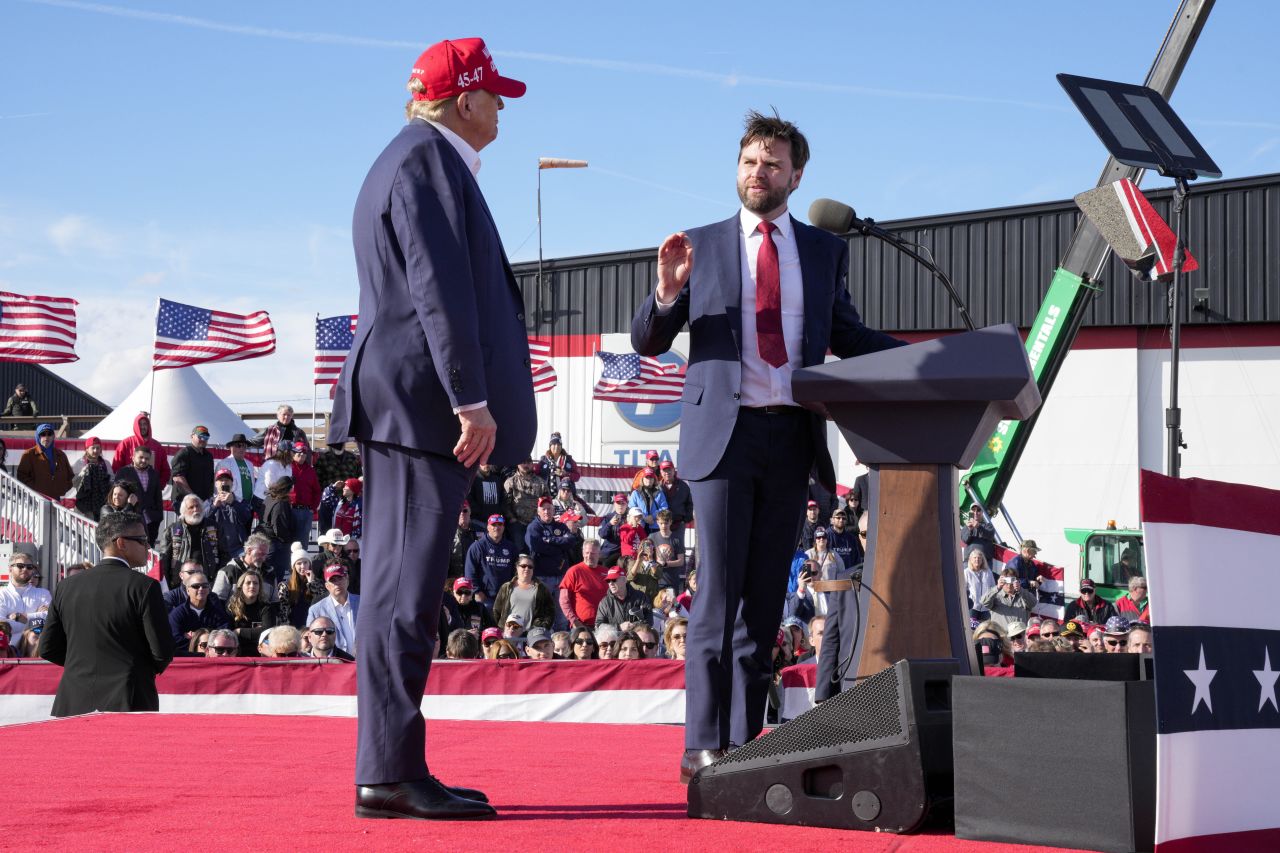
(775, 410)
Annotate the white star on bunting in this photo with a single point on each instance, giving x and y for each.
(1267, 681)
(1201, 678)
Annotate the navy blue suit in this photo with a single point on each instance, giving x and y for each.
(748, 470)
(441, 326)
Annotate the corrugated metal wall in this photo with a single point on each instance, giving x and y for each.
(1000, 260)
(53, 395)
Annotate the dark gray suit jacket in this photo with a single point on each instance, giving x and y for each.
(441, 318)
(109, 631)
(710, 303)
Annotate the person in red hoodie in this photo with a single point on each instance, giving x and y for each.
(142, 438)
(305, 496)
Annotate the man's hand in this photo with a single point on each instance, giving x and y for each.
(479, 431)
(675, 262)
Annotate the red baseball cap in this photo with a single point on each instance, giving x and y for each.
(666, 463)
(652, 454)
(333, 571)
(462, 583)
(497, 519)
(544, 501)
(454, 66)
(491, 634)
(614, 574)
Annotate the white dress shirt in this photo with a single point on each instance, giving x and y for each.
(343, 617)
(762, 383)
(472, 158)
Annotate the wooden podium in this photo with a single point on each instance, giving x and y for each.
(916, 416)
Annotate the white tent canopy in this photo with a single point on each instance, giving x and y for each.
(182, 399)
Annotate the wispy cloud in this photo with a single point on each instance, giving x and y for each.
(719, 202)
(727, 79)
(1266, 146)
(24, 115)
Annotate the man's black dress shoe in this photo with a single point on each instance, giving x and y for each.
(694, 760)
(425, 799)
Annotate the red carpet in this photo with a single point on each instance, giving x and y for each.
(266, 783)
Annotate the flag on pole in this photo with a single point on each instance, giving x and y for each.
(1217, 663)
(631, 378)
(38, 329)
(544, 375)
(334, 338)
(187, 335)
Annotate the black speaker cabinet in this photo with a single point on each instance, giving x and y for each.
(1060, 762)
(875, 757)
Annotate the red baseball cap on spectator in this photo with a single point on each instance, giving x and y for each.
(334, 571)
(652, 454)
(614, 574)
(544, 501)
(1033, 631)
(92, 440)
(299, 447)
(813, 503)
(454, 66)
(462, 583)
(222, 472)
(619, 498)
(497, 519)
(666, 464)
(491, 634)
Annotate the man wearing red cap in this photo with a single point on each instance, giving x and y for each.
(93, 483)
(436, 383)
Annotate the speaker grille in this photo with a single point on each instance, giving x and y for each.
(866, 712)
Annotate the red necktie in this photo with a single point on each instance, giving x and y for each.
(773, 348)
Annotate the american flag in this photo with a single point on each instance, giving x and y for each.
(187, 335)
(38, 329)
(631, 378)
(544, 375)
(334, 337)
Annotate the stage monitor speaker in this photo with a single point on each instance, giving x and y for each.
(1056, 761)
(875, 757)
(1093, 667)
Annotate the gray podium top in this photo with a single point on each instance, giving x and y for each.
(932, 402)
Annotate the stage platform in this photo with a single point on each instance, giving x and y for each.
(164, 782)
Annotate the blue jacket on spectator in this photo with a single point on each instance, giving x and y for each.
(232, 520)
(608, 533)
(800, 608)
(649, 508)
(490, 564)
(845, 543)
(548, 543)
(184, 618)
(793, 580)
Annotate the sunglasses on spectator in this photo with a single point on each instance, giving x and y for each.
(1048, 635)
(320, 632)
(678, 636)
(463, 592)
(608, 645)
(22, 565)
(141, 540)
(198, 586)
(524, 565)
(203, 645)
(649, 646)
(584, 642)
(862, 534)
(223, 650)
(1111, 644)
(506, 656)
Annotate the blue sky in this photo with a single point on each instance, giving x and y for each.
(211, 153)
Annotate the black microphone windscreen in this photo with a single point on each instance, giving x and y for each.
(831, 215)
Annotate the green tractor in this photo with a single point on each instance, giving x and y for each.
(1109, 557)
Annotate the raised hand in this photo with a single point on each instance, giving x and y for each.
(675, 262)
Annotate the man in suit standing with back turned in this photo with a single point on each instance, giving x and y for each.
(766, 295)
(108, 628)
(437, 382)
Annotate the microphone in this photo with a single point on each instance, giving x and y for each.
(560, 163)
(841, 219)
(834, 216)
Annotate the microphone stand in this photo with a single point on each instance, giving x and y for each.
(868, 227)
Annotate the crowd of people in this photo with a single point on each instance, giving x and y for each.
(524, 582)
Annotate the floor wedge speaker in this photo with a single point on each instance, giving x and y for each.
(875, 757)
